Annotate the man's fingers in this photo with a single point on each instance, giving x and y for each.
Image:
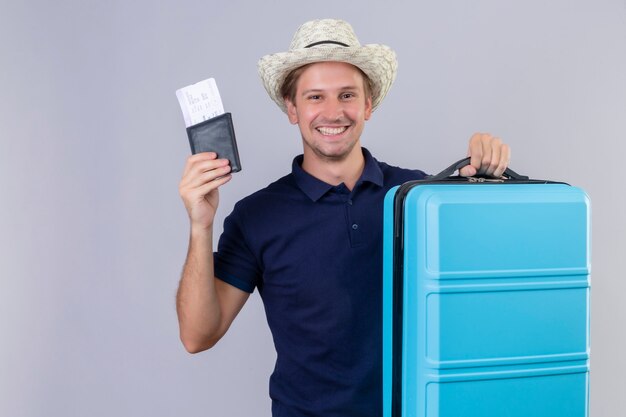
(198, 179)
(475, 151)
(206, 166)
(200, 167)
(193, 160)
(488, 156)
(210, 175)
(205, 193)
(491, 164)
(485, 144)
(505, 157)
(205, 189)
(467, 171)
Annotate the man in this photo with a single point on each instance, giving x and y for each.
(311, 242)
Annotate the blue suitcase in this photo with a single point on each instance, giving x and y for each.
(486, 298)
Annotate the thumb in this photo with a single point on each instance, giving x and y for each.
(467, 171)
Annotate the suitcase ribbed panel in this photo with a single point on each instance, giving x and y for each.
(495, 314)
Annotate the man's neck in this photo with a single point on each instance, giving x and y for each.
(334, 172)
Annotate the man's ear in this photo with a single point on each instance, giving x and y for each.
(368, 108)
(291, 111)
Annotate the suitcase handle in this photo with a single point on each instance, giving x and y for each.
(509, 173)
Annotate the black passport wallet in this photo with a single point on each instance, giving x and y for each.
(216, 135)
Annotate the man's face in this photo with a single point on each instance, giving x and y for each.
(330, 109)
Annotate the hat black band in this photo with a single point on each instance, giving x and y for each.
(323, 42)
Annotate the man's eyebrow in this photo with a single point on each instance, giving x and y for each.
(320, 90)
(312, 90)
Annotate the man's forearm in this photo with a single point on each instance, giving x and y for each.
(197, 303)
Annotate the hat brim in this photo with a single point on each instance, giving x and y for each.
(378, 62)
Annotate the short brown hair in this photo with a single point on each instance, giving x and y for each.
(288, 89)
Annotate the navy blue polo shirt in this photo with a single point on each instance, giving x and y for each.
(314, 251)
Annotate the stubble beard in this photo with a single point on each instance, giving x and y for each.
(327, 156)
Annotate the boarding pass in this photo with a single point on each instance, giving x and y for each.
(200, 101)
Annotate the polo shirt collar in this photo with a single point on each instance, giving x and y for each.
(315, 188)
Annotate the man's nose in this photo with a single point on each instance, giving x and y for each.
(333, 109)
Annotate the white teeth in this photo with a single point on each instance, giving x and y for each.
(331, 130)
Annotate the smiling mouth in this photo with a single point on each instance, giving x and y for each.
(331, 131)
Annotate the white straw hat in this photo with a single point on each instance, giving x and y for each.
(329, 40)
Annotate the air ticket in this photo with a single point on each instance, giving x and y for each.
(200, 101)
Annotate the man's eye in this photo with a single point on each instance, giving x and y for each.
(314, 97)
(347, 95)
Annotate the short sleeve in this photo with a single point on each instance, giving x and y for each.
(234, 262)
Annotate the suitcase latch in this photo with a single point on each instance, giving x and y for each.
(482, 179)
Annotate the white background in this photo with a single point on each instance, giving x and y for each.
(92, 145)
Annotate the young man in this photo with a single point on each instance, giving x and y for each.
(311, 242)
